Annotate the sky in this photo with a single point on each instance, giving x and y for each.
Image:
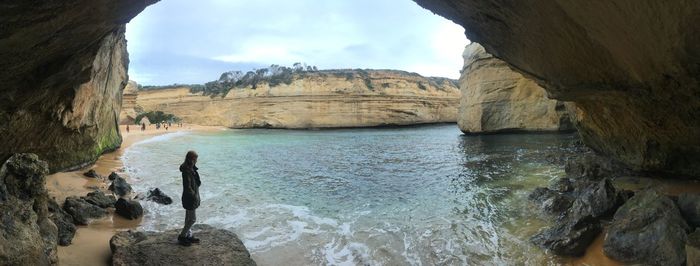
(186, 42)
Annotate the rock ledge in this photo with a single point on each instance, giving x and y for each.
(218, 247)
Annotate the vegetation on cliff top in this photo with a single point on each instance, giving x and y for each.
(157, 116)
(275, 75)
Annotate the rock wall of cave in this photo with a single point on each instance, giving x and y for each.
(64, 67)
(631, 66)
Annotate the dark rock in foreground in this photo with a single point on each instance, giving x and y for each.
(92, 174)
(569, 237)
(82, 211)
(647, 229)
(550, 201)
(112, 176)
(599, 199)
(157, 196)
(689, 205)
(580, 221)
(692, 248)
(64, 223)
(129, 209)
(27, 235)
(217, 247)
(119, 186)
(99, 199)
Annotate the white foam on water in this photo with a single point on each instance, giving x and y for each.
(352, 253)
(410, 256)
(164, 137)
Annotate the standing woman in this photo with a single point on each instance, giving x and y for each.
(190, 197)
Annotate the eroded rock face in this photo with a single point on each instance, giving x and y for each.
(217, 247)
(497, 99)
(27, 234)
(321, 99)
(631, 67)
(64, 66)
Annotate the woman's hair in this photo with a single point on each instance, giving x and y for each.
(189, 158)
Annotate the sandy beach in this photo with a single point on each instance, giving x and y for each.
(90, 245)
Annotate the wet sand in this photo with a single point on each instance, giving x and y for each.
(90, 245)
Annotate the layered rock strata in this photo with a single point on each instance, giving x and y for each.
(631, 67)
(64, 66)
(323, 99)
(497, 99)
(128, 112)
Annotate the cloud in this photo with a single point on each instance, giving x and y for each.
(184, 41)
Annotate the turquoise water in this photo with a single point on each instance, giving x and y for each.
(397, 196)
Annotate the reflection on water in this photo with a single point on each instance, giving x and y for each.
(418, 196)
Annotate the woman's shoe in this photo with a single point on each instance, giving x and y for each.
(193, 240)
(184, 241)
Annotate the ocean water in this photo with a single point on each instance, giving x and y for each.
(397, 196)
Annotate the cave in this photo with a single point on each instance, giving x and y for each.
(630, 67)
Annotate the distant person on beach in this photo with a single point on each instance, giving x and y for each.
(190, 197)
(143, 126)
(127, 128)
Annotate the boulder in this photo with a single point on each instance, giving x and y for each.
(597, 199)
(550, 201)
(157, 196)
(112, 176)
(129, 209)
(692, 249)
(27, 234)
(64, 223)
(647, 229)
(82, 211)
(99, 199)
(570, 236)
(92, 174)
(217, 247)
(562, 185)
(580, 223)
(689, 204)
(119, 186)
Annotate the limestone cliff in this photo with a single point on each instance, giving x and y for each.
(64, 64)
(317, 99)
(632, 68)
(497, 99)
(128, 108)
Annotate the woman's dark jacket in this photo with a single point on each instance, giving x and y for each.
(190, 187)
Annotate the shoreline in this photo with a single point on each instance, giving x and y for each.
(90, 246)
